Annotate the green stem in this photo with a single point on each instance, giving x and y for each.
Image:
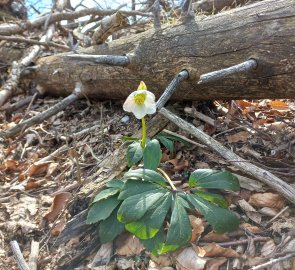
(143, 141)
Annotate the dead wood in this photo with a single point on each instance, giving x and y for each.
(262, 31)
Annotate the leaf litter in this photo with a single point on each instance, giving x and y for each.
(261, 131)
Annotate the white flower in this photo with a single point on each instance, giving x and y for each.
(140, 103)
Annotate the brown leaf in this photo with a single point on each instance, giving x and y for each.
(261, 122)
(278, 105)
(252, 261)
(57, 229)
(38, 168)
(33, 185)
(214, 250)
(128, 245)
(268, 248)
(244, 104)
(162, 261)
(9, 165)
(58, 204)
(215, 263)
(178, 164)
(241, 136)
(189, 260)
(216, 237)
(251, 228)
(267, 199)
(250, 211)
(197, 227)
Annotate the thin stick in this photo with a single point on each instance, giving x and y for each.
(216, 75)
(239, 242)
(273, 261)
(114, 60)
(183, 138)
(264, 176)
(35, 42)
(167, 178)
(277, 215)
(171, 88)
(18, 256)
(157, 15)
(44, 115)
(33, 259)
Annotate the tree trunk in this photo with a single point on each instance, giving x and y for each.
(264, 31)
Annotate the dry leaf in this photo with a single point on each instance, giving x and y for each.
(52, 168)
(278, 105)
(216, 237)
(261, 122)
(251, 228)
(9, 165)
(178, 164)
(161, 261)
(58, 204)
(241, 136)
(214, 250)
(57, 229)
(197, 227)
(38, 168)
(250, 211)
(268, 248)
(244, 104)
(267, 199)
(128, 245)
(215, 263)
(252, 261)
(103, 255)
(33, 185)
(189, 260)
(267, 211)
(277, 125)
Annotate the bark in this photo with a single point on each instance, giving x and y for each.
(263, 31)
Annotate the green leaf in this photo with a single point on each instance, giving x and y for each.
(102, 209)
(155, 244)
(212, 197)
(166, 142)
(134, 187)
(110, 228)
(207, 178)
(180, 231)
(149, 225)
(134, 153)
(152, 155)
(104, 194)
(175, 138)
(115, 183)
(127, 138)
(134, 207)
(147, 175)
(222, 220)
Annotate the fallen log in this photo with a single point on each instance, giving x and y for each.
(263, 31)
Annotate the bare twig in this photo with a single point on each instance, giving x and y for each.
(216, 75)
(273, 261)
(33, 259)
(171, 88)
(13, 28)
(18, 256)
(157, 15)
(44, 115)
(264, 176)
(240, 242)
(34, 42)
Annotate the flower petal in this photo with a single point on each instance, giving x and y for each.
(139, 111)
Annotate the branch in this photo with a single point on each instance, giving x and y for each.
(264, 176)
(273, 261)
(44, 115)
(33, 259)
(34, 42)
(12, 28)
(18, 256)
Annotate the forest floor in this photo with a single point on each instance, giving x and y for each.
(40, 193)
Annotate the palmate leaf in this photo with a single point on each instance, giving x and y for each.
(102, 209)
(207, 178)
(133, 208)
(222, 220)
(115, 183)
(110, 228)
(104, 194)
(149, 225)
(134, 153)
(166, 142)
(211, 197)
(180, 231)
(146, 174)
(152, 155)
(155, 244)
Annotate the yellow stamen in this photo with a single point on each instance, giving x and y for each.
(139, 98)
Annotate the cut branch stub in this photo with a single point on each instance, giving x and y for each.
(114, 60)
(248, 65)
